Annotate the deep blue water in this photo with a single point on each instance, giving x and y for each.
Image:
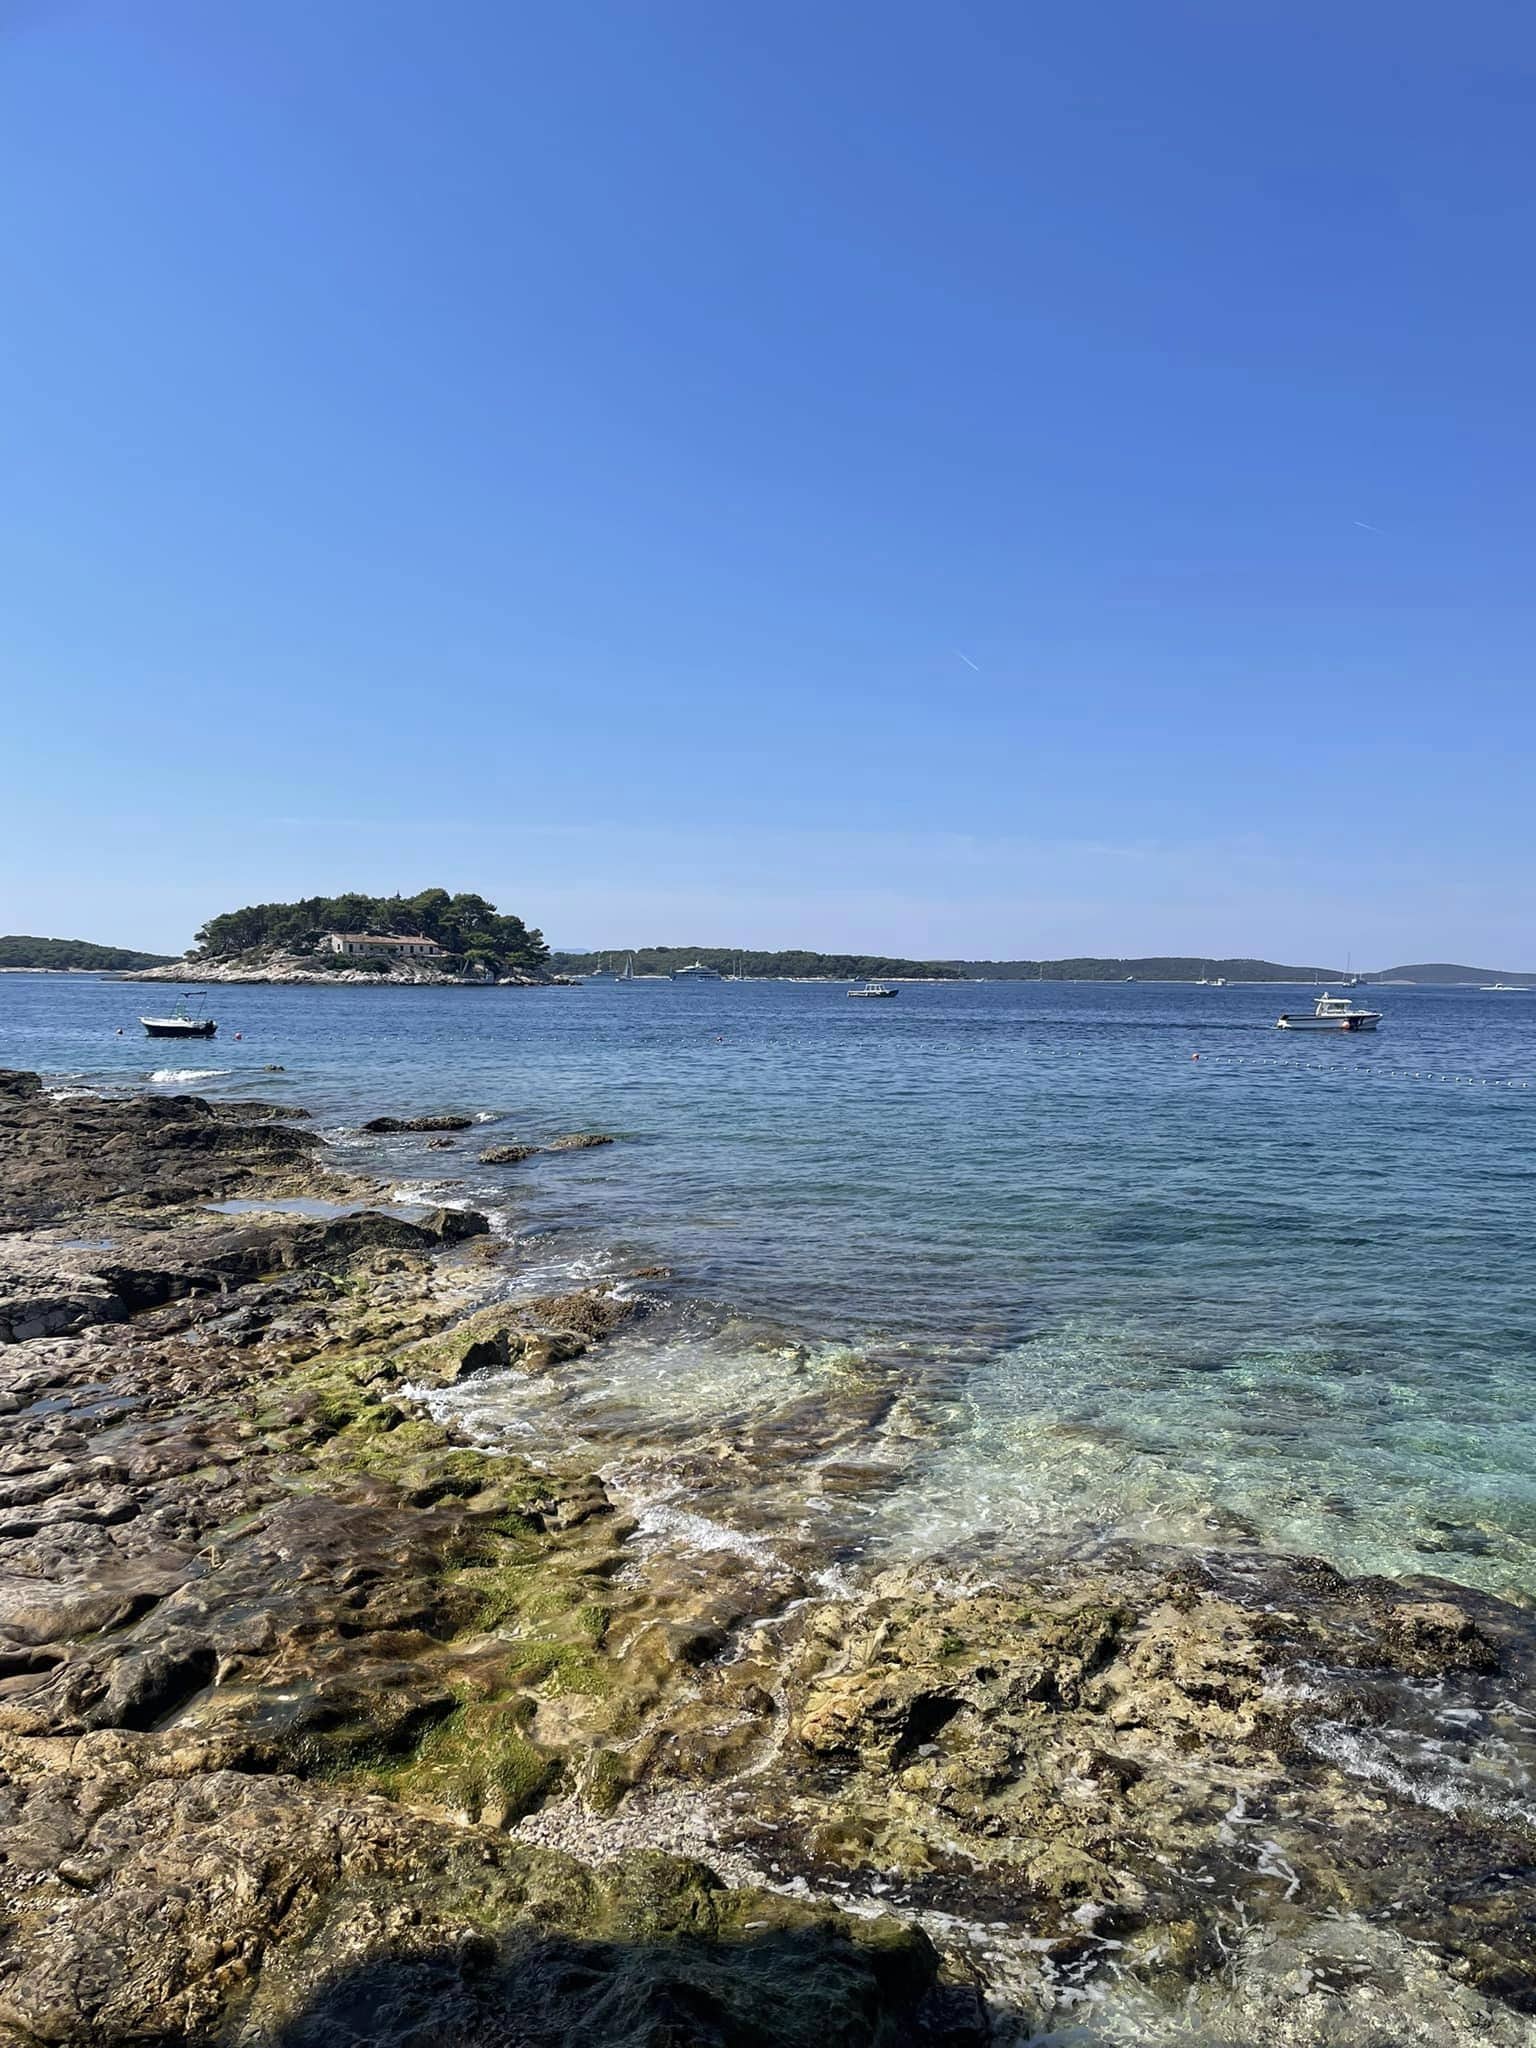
(1283, 1291)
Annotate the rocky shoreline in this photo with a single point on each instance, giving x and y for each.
(298, 969)
(323, 1720)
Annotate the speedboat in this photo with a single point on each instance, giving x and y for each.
(180, 1024)
(1503, 988)
(874, 988)
(1332, 1013)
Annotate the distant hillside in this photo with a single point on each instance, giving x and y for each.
(1152, 967)
(757, 966)
(1442, 972)
(18, 951)
(863, 966)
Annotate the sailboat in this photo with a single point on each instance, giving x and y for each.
(627, 971)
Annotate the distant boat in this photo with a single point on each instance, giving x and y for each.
(627, 971)
(1504, 988)
(180, 1024)
(873, 989)
(1332, 1013)
(697, 972)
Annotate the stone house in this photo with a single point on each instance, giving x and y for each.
(383, 946)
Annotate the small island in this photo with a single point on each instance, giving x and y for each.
(432, 938)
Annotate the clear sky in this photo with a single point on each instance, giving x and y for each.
(950, 478)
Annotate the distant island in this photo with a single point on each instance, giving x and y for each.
(806, 966)
(76, 955)
(431, 937)
(440, 938)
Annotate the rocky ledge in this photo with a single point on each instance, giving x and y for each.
(277, 966)
(322, 1723)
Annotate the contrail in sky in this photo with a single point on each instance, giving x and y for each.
(968, 662)
(1365, 523)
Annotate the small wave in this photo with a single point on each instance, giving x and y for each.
(700, 1532)
(1353, 1751)
(426, 1194)
(189, 1073)
(548, 1276)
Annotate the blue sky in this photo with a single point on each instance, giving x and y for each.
(948, 478)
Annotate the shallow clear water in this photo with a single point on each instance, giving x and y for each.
(1281, 1293)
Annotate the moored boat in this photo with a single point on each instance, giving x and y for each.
(873, 989)
(180, 1024)
(1332, 1013)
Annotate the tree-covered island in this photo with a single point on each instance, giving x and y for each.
(473, 938)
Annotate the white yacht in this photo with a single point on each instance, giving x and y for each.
(873, 989)
(697, 972)
(1332, 1013)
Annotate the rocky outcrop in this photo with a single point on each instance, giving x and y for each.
(62, 1159)
(306, 969)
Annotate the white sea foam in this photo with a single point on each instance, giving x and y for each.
(189, 1073)
(425, 1194)
(1359, 1754)
(660, 1522)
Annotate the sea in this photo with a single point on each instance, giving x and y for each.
(1153, 1269)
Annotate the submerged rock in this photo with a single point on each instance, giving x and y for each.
(507, 1155)
(578, 1141)
(384, 1125)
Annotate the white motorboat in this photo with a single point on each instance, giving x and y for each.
(1332, 1013)
(873, 989)
(1503, 988)
(697, 972)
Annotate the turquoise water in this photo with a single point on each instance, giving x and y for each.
(1281, 1294)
